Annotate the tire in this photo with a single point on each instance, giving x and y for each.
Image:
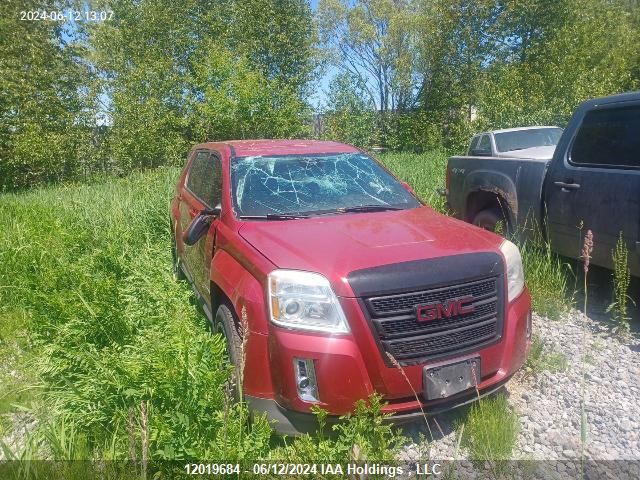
(489, 220)
(178, 274)
(224, 323)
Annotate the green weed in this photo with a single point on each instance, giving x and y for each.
(490, 430)
(546, 277)
(127, 367)
(621, 281)
(362, 435)
(540, 361)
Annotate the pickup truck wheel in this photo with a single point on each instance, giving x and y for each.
(490, 219)
(178, 274)
(225, 324)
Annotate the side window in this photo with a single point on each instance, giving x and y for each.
(608, 138)
(205, 178)
(485, 145)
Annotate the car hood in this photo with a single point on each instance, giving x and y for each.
(537, 153)
(339, 244)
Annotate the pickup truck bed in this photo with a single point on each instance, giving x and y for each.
(476, 183)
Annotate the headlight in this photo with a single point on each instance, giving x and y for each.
(304, 300)
(515, 274)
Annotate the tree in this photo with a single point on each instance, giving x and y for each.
(198, 70)
(236, 101)
(143, 56)
(521, 62)
(44, 115)
(277, 37)
(591, 51)
(458, 40)
(374, 41)
(350, 116)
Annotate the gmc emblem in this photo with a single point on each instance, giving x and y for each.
(450, 308)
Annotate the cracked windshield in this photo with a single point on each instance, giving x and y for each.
(305, 185)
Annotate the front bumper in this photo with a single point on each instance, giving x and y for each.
(351, 367)
(291, 422)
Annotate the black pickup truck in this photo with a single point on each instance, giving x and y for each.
(593, 181)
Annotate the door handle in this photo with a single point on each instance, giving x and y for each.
(567, 186)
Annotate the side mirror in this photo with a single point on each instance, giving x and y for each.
(199, 226)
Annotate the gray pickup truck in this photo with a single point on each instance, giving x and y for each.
(524, 142)
(593, 180)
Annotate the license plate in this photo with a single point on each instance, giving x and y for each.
(446, 380)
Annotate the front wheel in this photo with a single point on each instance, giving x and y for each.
(225, 324)
(178, 274)
(492, 220)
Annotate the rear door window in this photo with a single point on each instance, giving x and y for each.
(474, 144)
(608, 138)
(484, 147)
(205, 178)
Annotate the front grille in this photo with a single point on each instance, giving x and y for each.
(406, 302)
(441, 343)
(393, 317)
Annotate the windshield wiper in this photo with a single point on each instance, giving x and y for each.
(296, 216)
(367, 208)
(274, 216)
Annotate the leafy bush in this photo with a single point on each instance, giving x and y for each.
(360, 436)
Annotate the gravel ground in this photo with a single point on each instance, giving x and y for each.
(23, 423)
(15, 425)
(549, 404)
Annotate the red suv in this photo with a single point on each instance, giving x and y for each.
(345, 277)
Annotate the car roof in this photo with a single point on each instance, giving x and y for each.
(517, 129)
(247, 148)
(621, 97)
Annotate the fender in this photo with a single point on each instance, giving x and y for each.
(242, 288)
(496, 183)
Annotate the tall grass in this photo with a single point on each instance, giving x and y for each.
(490, 432)
(424, 172)
(546, 276)
(120, 361)
(125, 365)
(89, 267)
